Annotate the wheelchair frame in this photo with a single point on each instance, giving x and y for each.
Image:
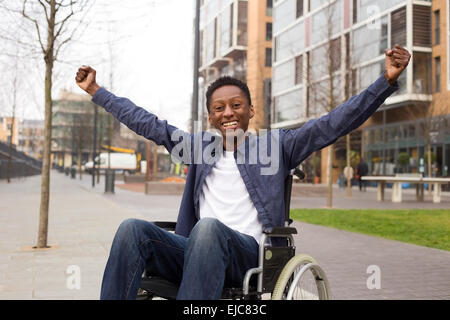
(271, 262)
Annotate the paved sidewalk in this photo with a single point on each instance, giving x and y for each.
(81, 224)
(83, 221)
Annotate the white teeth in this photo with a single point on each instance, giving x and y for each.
(229, 124)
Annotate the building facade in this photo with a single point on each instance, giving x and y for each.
(327, 50)
(31, 138)
(236, 40)
(73, 128)
(5, 130)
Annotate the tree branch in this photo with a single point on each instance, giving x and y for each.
(26, 16)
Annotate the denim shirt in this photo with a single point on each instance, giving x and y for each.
(264, 181)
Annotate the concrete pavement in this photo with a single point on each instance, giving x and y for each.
(83, 221)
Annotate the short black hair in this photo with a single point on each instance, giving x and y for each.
(227, 81)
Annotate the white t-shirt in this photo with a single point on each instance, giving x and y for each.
(225, 197)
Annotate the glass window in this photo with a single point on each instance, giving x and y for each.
(437, 29)
(411, 131)
(326, 23)
(318, 67)
(269, 7)
(299, 8)
(210, 38)
(422, 72)
(283, 77)
(226, 29)
(268, 57)
(268, 31)
(368, 74)
(284, 15)
(299, 69)
(242, 23)
(290, 42)
(437, 72)
(288, 106)
(369, 8)
(369, 42)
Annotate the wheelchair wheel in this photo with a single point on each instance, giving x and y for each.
(301, 279)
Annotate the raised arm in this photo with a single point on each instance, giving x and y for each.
(135, 118)
(318, 133)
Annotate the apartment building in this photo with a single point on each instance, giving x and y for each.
(236, 40)
(355, 33)
(31, 138)
(5, 130)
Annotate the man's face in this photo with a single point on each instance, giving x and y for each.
(229, 110)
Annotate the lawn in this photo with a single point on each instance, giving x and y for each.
(430, 228)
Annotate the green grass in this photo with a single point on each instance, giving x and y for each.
(430, 228)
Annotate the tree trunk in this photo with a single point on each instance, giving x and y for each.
(79, 161)
(45, 183)
(349, 181)
(429, 162)
(330, 176)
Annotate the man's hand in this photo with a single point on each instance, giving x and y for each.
(86, 80)
(397, 60)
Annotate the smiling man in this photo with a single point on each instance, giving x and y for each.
(229, 199)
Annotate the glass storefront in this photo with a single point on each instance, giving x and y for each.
(403, 147)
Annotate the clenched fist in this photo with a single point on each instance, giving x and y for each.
(397, 59)
(86, 80)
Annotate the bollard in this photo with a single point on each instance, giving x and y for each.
(109, 181)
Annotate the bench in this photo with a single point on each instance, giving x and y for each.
(416, 179)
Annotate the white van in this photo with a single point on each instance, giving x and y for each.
(121, 162)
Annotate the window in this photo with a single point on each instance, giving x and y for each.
(269, 7)
(355, 11)
(437, 72)
(422, 72)
(268, 57)
(437, 30)
(299, 8)
(398, 27)
(242, 23)
(268, 31)
(298, 69)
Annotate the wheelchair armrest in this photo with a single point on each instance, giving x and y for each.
(167, 225)
(280, 230)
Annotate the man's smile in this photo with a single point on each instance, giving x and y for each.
(230, 124)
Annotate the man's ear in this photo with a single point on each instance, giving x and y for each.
(252, 111)
(210, 120)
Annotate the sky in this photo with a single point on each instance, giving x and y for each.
(147, 46)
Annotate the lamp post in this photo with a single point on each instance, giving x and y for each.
(194, 111)
(95, 145)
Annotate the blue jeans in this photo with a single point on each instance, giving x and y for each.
(212, 257)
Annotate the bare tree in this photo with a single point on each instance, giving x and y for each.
(52, 21)
(324, 81)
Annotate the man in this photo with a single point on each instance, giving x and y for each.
(363, 170)
(232, 192)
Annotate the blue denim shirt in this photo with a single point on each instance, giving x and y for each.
(266, 188)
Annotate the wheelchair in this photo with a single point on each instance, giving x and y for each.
(280, 272)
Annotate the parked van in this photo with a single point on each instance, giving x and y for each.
(121, 162)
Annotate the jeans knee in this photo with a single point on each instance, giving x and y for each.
(206, 229)
(128, 230)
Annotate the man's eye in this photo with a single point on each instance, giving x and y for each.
(237, 105)
(218, 108)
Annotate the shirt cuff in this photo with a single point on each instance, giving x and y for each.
(101, 97)
(382, 87)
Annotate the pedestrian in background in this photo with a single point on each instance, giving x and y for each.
(362, 170)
